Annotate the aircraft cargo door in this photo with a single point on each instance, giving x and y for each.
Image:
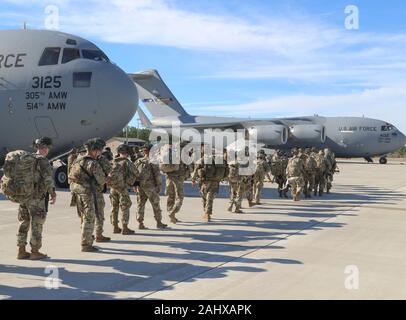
(45, 127)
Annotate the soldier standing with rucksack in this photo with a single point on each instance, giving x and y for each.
(87, 176)
(209, 174)
(176, 174)
(28, 180)
(149, 187)
(121, 177)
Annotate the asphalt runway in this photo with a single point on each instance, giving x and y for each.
(346, 245)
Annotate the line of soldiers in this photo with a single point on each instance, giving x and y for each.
(90, 171)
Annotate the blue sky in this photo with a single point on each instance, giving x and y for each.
(249, 58)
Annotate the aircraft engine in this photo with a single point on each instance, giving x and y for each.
(270, 134)
(312, 133)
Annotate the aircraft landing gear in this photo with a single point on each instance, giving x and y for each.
(369, 159)
(61, 177)
(383, 160)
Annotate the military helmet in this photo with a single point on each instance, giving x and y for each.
(42, 142)
(147, 146)
(94, 144)
(314, 149)
(123, 148)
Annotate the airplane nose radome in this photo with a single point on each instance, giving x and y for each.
(118, 99)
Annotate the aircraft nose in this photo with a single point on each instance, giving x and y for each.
(118, 100)
(402, 139)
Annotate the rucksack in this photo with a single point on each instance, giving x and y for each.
(20, 169)
(311, 164)
(166, 164)
(294, 168)
(115, 179)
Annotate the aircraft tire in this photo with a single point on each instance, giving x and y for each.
(61, 177)
(383, 160)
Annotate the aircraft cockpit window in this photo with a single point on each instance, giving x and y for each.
(96, 55)
(386, 128)
(50, 57)
(70, 54)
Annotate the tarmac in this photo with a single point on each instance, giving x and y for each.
(346, 245)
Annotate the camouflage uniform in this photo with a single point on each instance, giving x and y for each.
(278, 169)
(331, 165)
(174, 190)
(236, 183)
(309, 173)
(32, 213)
(320, 173)
(82, 168)
(209, 183)
(295, 172)
(119, 195)
(149, 188)
(101, 204)
(262, 170)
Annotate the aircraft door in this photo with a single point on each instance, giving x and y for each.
(45, 127)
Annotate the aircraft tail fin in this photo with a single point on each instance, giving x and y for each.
(156, 96)
(144, 119)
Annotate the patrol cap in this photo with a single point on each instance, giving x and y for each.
(94, 144)
(42, 142)
(123, 148)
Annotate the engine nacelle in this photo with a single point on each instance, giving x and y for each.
(270, 134)
(312, 133)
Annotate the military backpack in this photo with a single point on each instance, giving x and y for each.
(20, 170)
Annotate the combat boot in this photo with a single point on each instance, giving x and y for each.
(141, 226)
(126, 231)
(161, 225)
(251, 204)
(206, 217)
(173, 219)
(280, 193)
(101, 238)
(89, 249)
(116, 228)
(22, 254)
(296, 197)
(36, 255)
(230, 208)
(238, 211)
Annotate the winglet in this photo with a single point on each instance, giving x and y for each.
(144, 119)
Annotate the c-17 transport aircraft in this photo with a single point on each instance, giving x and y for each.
(346, 136)
(61, 86)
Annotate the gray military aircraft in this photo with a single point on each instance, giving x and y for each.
(347, 136)
(61, 86)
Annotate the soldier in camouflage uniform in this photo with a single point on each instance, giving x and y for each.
(331, 166)
(209, 175)
(123, 176)
(279, 163)
(309, 173)
(149, 188)
(174, 189)
(85, 171)
(295, 173)
(320, 174)
(105, 164)
(261, 171)
(236, 183)
(33, 211)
